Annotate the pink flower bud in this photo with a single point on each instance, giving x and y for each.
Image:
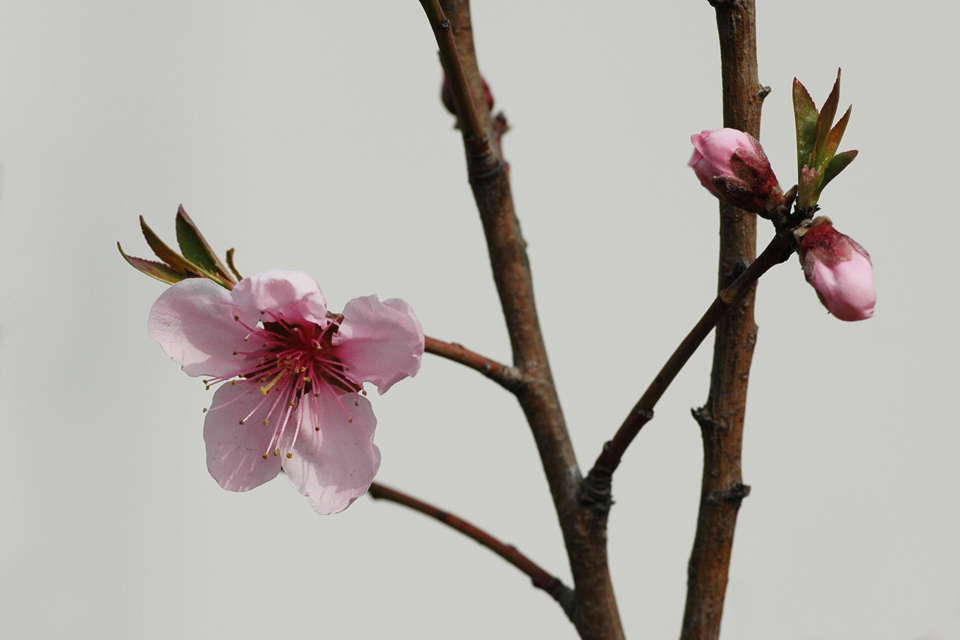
(840, 270)
(732, 166)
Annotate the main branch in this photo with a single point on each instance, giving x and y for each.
(595, 611)
(721, 418)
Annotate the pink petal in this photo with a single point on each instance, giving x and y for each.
(235, 451)
(293, 294)
(379, 341)
(846, 288)
(335, 465)
(193, 321)
(716, 148)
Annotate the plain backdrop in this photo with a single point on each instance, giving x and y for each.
(310, 135)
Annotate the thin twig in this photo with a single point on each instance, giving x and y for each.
(609, 459)
(540, 577)
(510, 378)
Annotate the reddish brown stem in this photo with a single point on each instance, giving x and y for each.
(721, 418)
(609, 459)
(541, 578)
(509, 378)
(595, 611)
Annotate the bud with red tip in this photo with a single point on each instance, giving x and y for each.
(732, 166)
(839, 270)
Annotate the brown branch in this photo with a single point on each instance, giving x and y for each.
(779, 249)
(721, 418)
(508, 377)
(595, 614)
(474, 123)
(541, 578)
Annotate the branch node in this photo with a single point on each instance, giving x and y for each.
(596, 491)
(764, 92)
(645, 414)
(480, 168)
(705, 419)
(565, 596)
(444, 25)
(733, 495)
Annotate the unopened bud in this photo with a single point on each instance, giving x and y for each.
(732, 166)
(839, 270)
(446, 95)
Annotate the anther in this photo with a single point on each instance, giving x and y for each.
(289, 455)
(276, 452)
(266, 423)
(241, 422)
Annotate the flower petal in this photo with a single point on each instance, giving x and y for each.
(292, 294)
(235, 451)
(846, 289)
(380, 341)
(193, 321)
(335, 465)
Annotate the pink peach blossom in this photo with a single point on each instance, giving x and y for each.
(733, 166)
(293, 377)
(840, 271)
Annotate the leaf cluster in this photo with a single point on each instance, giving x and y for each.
(817, 142)
(197, 259)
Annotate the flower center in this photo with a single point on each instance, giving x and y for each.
(287, 364)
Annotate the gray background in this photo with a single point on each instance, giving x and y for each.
(309, 135)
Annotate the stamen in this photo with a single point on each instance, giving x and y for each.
(280, 376)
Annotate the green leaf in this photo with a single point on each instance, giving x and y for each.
(837, 164)
(165, 253)
(827, 113)
(805, 113)
(196, 249)
(833, 141)
(157, 270)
